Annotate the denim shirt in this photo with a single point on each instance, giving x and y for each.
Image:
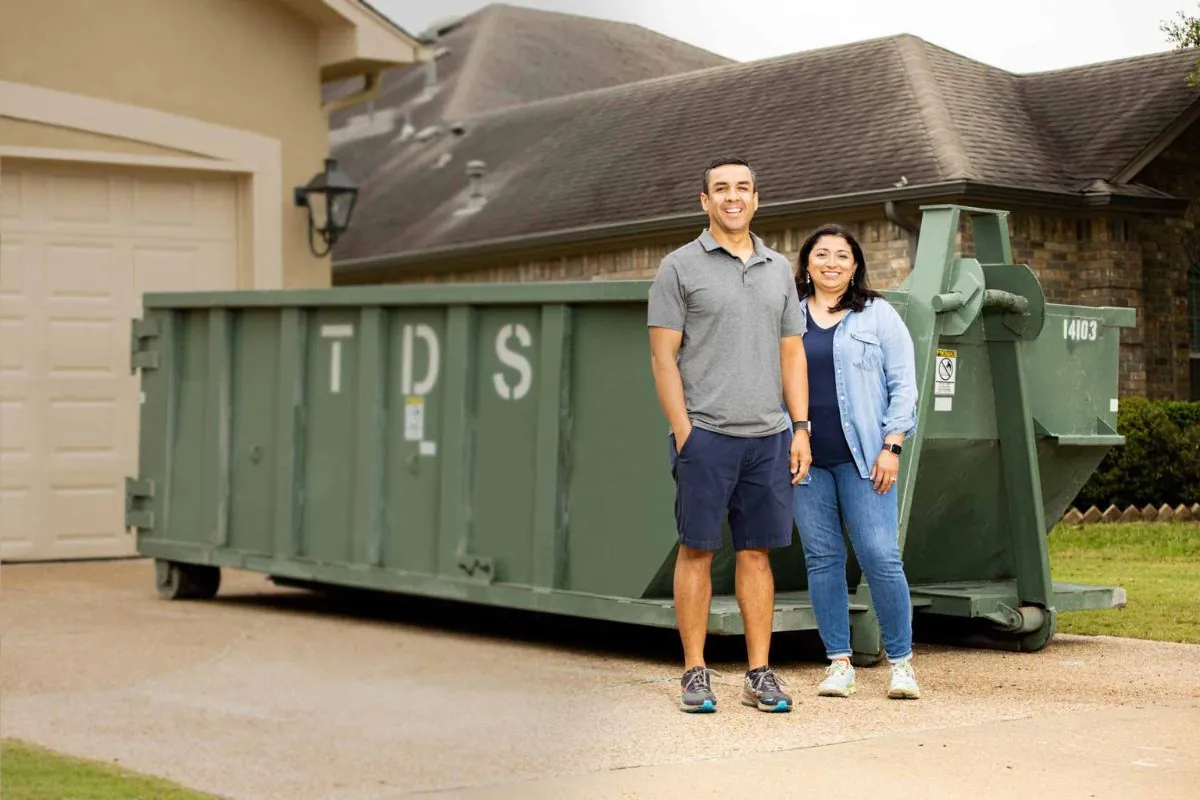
(876, 377)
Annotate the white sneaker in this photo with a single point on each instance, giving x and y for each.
(904, 682)
(839, 681)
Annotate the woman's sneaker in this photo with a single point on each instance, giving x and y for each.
(839, 680)
(762, 690)
(904, 682)
(698, 697)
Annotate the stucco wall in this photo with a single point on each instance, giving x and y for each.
(245, 64)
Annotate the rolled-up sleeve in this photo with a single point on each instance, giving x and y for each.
(900, 371)
(668, 305)
(793, 322)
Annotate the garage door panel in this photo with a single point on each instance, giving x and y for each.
(78, 251)
(182, 269)
(78, 202)
(196, 211)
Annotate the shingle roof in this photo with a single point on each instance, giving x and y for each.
(504, 55)
(840, 120)
(1101, 115)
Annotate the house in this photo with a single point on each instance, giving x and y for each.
(1099, 165)
(145, 146)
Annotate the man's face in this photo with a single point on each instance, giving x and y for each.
(731, 199)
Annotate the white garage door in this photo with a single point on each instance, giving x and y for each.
(79, 244)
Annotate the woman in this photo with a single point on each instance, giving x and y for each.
(862, 405)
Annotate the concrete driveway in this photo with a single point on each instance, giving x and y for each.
(274, 693)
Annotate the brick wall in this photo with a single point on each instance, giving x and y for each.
(1168, 248)
(1102, 260)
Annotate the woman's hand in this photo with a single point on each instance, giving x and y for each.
(885, 471)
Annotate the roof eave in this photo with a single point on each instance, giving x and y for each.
(541, 244)
(477, 255)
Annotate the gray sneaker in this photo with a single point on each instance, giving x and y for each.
(762, 690)
(698, 697)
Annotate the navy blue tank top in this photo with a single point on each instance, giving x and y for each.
(828, 441)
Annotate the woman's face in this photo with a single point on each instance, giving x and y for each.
(831, 265)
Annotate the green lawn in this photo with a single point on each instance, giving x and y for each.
(1158, 564)
(32, 773)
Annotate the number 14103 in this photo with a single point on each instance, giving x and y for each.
(1080, 329)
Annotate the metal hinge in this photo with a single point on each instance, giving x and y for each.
(141, 356)
(139, 494)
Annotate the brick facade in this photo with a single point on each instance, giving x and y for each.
(1169, 247)
(1102, 259)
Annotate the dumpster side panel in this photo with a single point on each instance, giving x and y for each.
(956, 531)
(621, 522)
(1073, 373)
(253, 457)
(331, 375)
(190, 484)
(413, 448)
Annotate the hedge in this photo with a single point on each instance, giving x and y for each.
(1159, 462)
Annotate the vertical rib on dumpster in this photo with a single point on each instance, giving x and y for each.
(553, 414)
(217, 402)
(370, 436)
(1018, 449)
(289, 434)
(454, 511)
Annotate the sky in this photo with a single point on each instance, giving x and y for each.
(1015, 35)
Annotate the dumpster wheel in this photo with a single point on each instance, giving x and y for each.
(178, 581)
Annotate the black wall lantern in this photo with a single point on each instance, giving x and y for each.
(329, 198)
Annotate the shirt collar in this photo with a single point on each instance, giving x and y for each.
(709, 243)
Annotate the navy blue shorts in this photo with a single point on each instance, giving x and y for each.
(748, 479)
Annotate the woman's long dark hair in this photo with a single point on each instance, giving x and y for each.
(859, 291)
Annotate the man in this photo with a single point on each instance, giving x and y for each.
(725, 326)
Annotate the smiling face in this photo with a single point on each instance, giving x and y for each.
(731, 199)
(831, 265)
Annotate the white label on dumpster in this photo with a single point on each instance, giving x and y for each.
(336, 332)
(1080, 330)
(945, 371)
(514, 359)
(1112, 405)
(414, 419)
(429, 448)
(943, 403)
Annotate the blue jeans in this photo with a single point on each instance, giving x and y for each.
(833, 495)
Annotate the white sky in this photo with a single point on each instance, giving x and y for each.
(1016, 35)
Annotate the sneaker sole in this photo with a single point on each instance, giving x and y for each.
(707, 707)
(904, 694)
(781, 706)
(835, 693)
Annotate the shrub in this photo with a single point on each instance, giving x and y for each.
(1159, 462)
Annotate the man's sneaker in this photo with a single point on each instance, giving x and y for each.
(839, 680)
(904, 682)
(762, 690)
(698, 697)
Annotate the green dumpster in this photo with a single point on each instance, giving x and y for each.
(503, 445)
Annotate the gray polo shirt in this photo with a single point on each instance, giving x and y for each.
(732, 316)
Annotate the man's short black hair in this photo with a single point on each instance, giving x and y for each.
(721, 162)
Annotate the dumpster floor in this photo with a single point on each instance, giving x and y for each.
(267, 693)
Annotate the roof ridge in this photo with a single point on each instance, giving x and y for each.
(943, 134)
(604, 21)
(590, 94)
(1110, 62)
(485, 18)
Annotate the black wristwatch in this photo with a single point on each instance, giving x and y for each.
(894, 448)
(801, 425)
